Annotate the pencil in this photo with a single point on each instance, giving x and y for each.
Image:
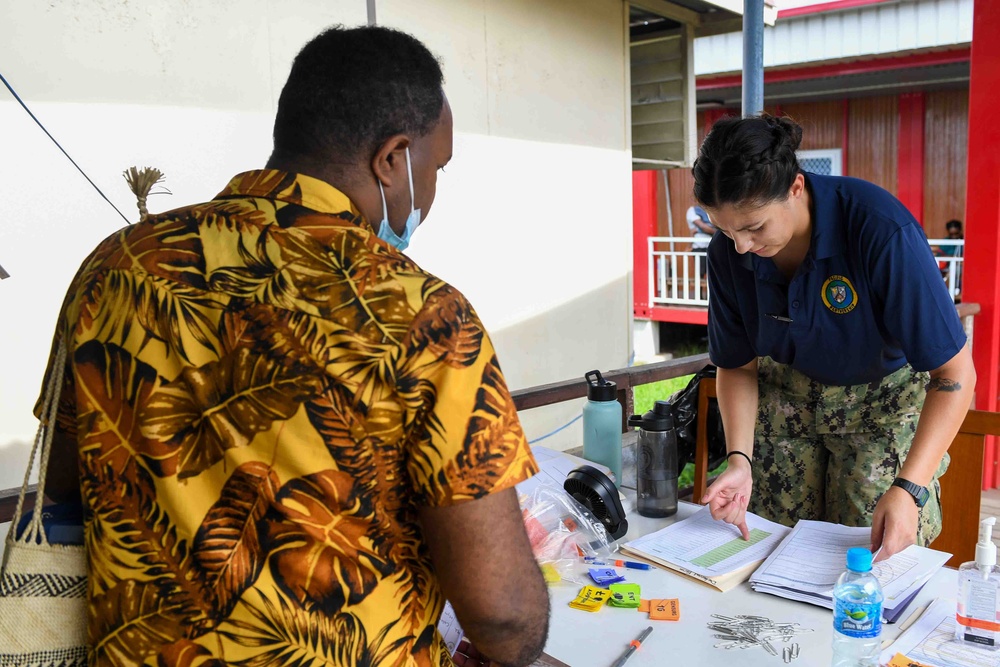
(636, 643)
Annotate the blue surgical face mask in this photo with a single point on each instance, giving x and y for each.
(386, 232)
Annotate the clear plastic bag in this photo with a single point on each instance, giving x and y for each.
(562, 532)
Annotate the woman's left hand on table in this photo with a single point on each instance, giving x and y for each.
(895, 523)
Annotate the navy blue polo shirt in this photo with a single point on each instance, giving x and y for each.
(867, 299)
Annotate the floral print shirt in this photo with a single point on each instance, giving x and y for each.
(263, 393)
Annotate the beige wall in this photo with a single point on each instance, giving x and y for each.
(532, 219)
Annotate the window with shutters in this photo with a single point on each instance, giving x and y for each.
(663, 100)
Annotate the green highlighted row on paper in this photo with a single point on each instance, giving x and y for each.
(729, 549)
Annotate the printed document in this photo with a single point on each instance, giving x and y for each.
(709, 550)
(805, 566)
(931, 640)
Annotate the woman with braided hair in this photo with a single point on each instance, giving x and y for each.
(844, 372)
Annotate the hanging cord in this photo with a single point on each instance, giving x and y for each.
(49, 135)
(34, 533)
(141, 182)
(552, 433)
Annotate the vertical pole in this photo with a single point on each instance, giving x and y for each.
(626, 397)
(371, 13)
(845, 137)
(753, 57)
(981, 283)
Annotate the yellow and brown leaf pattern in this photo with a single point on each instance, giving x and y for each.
(263, 394)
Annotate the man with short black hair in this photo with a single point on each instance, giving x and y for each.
(953, 228)
(292, 443)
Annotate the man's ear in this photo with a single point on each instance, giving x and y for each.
(389, 157)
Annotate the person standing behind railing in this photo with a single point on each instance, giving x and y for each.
(702, 230)
(954, 229)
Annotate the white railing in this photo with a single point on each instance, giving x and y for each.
(676, 270)
(950, 255)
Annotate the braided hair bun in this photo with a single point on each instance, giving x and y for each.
(747, 162)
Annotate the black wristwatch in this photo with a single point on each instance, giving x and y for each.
(920, 493)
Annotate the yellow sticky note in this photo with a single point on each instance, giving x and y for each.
(590, 598)
(664, 610)
(900, 660)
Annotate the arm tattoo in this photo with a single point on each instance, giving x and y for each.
(943, 384)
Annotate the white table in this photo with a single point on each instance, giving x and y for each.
(584, 639)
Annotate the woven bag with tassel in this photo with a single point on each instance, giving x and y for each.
(43, 586)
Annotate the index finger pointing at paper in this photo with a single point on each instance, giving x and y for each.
(737, 516)
(744, 530)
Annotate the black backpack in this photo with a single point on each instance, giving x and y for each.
(685, 404)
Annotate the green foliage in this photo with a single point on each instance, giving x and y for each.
(690, 349)
(647, 394)
(686, 478)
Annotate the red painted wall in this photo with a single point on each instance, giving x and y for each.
(982, 273)
(644, 207)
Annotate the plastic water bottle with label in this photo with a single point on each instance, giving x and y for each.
(857, 613)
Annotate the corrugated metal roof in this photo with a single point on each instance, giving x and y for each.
(926, 78)
(866, 31)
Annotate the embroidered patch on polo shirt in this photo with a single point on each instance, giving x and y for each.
(839, 294)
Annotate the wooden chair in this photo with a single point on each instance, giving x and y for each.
(706, 390)
(961, 486)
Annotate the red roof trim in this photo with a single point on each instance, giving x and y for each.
(925, 59)
(679, 315)
(834, 6)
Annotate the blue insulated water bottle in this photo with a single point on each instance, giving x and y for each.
(602, 424)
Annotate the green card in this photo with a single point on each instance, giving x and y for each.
(625, 595)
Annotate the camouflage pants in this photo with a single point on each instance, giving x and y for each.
(829, 453)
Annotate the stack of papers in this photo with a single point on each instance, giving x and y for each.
(709, 551)
(806, 564)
